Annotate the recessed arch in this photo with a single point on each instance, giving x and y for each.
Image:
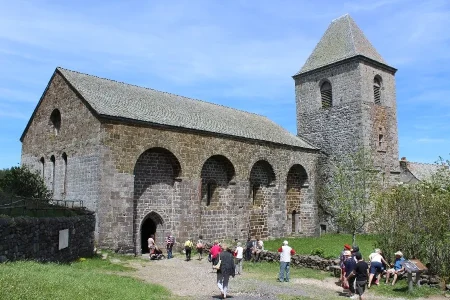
(216, 174)
(55, 121)
(296, 184)
(53, 160)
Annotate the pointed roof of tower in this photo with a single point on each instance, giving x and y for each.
(343, 39)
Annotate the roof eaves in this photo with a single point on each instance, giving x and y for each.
(179, 128)
(345, 60)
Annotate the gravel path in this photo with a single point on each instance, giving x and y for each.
(196, 280)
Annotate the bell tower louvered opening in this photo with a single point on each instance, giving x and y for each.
(377, 90)
(326, 94)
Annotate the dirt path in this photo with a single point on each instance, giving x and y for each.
(196, 280)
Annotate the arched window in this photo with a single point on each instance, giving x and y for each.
(42, 160)
(326, 94)
(294, 221)
(55, 120)
(64, 157)
(210, 189)
(377, 90)
(53, 160)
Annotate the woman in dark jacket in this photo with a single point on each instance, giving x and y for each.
(226, 270)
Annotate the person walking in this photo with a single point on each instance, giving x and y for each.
(360, 272)
(239, 254)
(349, 266)
(200, 246)
(248, 249)
(226, 269)
(215, 250)
(342, 258)
(170, 241)
(285, 260)
(188, 245)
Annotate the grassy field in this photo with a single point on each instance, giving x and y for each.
(89, 279)
(331, 244)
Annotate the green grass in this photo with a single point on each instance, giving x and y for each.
(269, 271)
(81, 280)
(400, 289)
(331, 244)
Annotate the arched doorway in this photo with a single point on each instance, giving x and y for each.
(297, 183)
(152, 224)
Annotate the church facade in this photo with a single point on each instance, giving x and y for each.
(151, 162)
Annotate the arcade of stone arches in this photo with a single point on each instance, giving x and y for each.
(159, 195)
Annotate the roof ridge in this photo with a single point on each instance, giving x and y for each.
(422, 163)
(147, 88)
(343, 16)
(351, 34)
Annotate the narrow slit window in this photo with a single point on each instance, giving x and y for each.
(326, 94)
(377, 90)
(64, 157)
(254, 194)
(380, 140)
(42, 160)
(52, 159)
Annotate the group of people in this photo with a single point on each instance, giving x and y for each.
(356, 273)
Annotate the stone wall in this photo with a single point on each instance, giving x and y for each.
(304, 261)
(174, 189)
(77, 176)
(25, 238)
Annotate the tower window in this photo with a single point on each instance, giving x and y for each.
(53, 160)
(42, 160)
(326, 94)
(377, 90)
(64, 157)
(380, 140)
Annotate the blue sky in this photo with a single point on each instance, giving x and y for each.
(240, 54)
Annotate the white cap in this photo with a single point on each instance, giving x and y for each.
(285, 242)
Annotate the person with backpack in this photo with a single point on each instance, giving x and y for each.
(200, 246)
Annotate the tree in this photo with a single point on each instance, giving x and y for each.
(415, 219)
(350, 193)
(21, 182)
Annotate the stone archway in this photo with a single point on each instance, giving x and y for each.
(156, 175)
(151, 225)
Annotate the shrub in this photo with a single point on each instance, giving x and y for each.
(318, 251)
(21, 182)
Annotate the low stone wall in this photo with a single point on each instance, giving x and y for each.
(305, 261)
(26, 238)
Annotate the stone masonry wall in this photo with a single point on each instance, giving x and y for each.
(38, 238)
(353, 121)
(183, 212)
(78, 138)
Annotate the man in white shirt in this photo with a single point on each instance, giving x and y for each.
(239, 254)
(285, 260)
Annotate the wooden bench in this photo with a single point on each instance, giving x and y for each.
(336, 270)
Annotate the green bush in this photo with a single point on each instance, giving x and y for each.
(22, 182)
(318, 251)
(415, 219)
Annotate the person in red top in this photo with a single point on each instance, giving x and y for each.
(215, 250)
(285, 260)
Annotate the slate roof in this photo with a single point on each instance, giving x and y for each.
(117, 99)
(423, 171)
(342, 40)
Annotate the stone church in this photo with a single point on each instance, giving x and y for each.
(148, 161)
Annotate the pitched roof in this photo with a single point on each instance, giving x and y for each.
(422, 171)
(342, 40)
(116, 99)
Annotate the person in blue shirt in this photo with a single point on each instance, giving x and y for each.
(397, 267)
